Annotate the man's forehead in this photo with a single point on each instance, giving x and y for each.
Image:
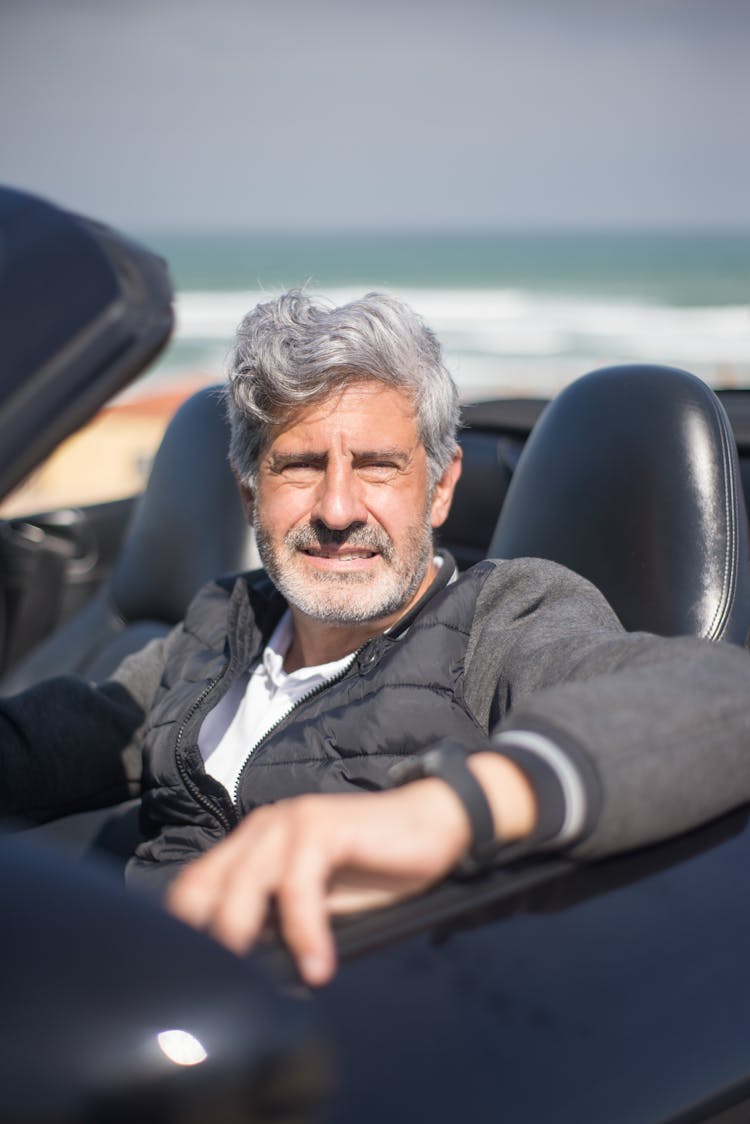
(357, 411)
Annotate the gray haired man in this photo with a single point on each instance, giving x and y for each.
(358, 720)
(344, 445)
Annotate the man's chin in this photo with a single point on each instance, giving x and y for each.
(345, 598)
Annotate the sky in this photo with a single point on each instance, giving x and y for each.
(160, 115)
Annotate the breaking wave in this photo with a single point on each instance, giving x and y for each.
(508, 340)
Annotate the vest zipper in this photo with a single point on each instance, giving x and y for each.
(283, 717)
(202, 798)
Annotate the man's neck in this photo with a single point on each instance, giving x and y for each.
(327, 643)
(317, 642)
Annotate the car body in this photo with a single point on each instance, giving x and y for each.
(547, 990)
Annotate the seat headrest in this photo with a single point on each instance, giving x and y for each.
(189, 525)
(631, 478)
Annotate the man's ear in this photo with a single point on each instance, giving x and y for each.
(442, 496)
(247, 497)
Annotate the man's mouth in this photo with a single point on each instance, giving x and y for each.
(353, 546)
(339, 555)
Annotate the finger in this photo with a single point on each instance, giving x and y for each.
(303, 913)
(249, 882)
(193, 895)
(243, 908)
(227, 891)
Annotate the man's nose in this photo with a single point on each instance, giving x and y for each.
(339, 501)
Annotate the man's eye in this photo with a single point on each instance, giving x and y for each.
(301, 470)
(378, 470)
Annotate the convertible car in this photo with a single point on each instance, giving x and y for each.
(543, 991)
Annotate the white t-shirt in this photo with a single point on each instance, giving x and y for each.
(255, 703)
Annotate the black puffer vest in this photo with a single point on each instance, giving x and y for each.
(403, 691)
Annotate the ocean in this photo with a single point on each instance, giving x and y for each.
(518, 314)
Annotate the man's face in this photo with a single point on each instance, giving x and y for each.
(343, 510)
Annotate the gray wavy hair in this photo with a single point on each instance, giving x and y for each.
(295, 350)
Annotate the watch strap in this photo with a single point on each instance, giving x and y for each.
(448, 761)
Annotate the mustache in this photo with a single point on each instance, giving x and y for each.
(317, 534)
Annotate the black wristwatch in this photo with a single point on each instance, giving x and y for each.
(447, 760)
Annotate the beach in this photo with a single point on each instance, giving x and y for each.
(109, 459)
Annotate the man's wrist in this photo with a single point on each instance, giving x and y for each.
(447, 762)
(497, 799)
(509, 793)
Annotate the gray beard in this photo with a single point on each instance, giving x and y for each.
(347, 598)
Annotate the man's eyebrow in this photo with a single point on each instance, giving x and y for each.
(392, 453)
(278, 461)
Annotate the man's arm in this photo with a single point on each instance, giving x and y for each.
(67, 745)
(659, 745)
(317, 856)
(627, 738)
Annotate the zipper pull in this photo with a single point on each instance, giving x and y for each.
(369, 654)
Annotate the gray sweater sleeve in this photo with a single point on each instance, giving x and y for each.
(630, 737)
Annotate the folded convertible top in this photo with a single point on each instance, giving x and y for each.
(83, 310)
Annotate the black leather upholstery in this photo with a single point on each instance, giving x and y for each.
(187, 528)
(190, 526)
(631, 478)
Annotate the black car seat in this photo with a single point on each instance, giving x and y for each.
(188, 527)
(631, 478)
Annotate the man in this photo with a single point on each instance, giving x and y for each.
(284, 724)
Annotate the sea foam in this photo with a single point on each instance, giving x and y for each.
(508, 340)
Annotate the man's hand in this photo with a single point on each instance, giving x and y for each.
(316, 856)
